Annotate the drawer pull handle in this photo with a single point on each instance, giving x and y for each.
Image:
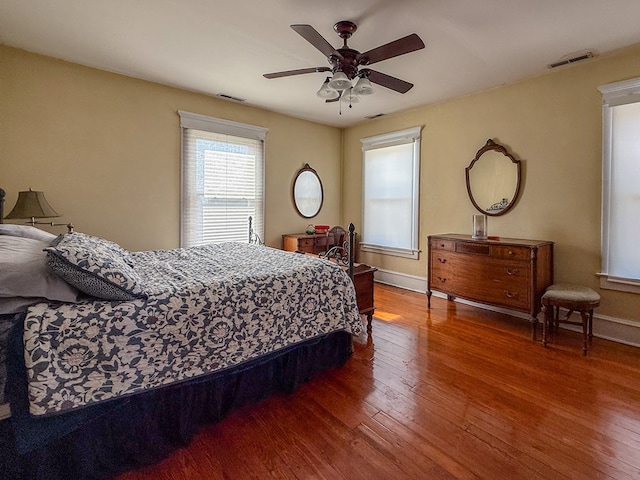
(510, 294)
(515, 271)
(442, 260)
(442, 245)
(510, 252)
(442, 279)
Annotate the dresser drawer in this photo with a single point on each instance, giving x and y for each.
(443, 244)
(442, 274)
(495, 281)
(506, 283)
(474, 248)
(510, 252)
(305, 245)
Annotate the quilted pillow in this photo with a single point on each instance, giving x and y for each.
(95, 266)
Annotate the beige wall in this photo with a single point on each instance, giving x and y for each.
(553, 124)
(105, 149)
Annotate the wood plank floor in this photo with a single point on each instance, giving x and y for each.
(451, 392)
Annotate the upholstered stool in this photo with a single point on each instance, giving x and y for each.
(575, 298)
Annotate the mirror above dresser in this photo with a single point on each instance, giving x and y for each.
(493, 179)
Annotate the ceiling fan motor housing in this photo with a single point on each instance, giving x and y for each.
(348, 63)
(351, 58)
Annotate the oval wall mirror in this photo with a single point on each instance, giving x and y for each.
(307, 192)
(493, 179)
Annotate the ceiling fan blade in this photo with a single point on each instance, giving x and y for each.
(300, 71)
(407, 44)
(311, 35)
(390, 82)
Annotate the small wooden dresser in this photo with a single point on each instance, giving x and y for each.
(509, 273)
(307, 243)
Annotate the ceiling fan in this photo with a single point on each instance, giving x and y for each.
(346, 63)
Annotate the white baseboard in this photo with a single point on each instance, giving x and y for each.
(402, 280)
(609, 328)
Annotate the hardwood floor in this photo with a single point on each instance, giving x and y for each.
(451, 392)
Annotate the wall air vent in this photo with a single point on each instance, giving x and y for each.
(571, 59)
(230, 97)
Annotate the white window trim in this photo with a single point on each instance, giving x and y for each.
(219, 125)
(227, 127)
(386, 140)
(613, 94)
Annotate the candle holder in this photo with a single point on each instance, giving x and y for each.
(479, 227)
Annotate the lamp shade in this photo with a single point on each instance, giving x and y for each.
(348, 96)
(32, 204)
(363, 87)
(340, 81)
(327, 92)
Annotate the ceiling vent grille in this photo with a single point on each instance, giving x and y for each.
(371, 117)
(230, 97)
(567, 61)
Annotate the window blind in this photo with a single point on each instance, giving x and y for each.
(391, 172)
(222, 180)
(624, 198)
(620, 186)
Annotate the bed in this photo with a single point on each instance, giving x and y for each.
(139, 349)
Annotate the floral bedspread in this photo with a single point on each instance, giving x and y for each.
(209, 308)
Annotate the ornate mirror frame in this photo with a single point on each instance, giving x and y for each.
(494, 185)
(307, 192)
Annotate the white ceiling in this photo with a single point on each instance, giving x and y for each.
(214, 46)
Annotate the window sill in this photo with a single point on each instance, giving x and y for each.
(396, 252)
(620, 284)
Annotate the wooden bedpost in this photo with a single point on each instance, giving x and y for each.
(352, 249)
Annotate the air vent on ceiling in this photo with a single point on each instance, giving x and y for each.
(371, 117)
(230, 97)
(572, 59)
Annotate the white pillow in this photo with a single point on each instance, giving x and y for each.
(25, 277)
(26, 231)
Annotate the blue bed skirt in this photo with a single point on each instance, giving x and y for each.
(104, 440)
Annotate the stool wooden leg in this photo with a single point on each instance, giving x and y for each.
(585, 331)
(545, 324)
(591, 324)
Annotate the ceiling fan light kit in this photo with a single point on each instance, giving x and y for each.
(346, 62)
(327, 92)
(363, 87)
(340, 81)
(348, 96)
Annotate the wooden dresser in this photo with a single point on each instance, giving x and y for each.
(509, 273)
(307, 243)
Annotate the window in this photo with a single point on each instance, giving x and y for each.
(391, 169)
(222, 180)
(621, 186)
